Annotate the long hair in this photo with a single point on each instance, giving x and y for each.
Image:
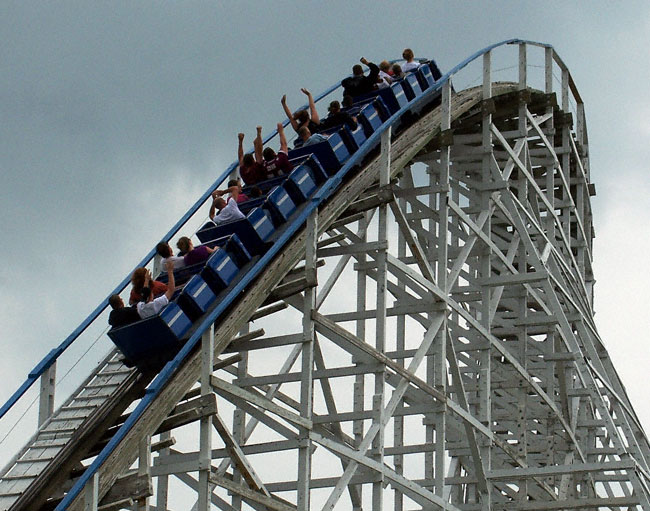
(137, 279)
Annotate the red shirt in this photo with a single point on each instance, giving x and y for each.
(157, 289)
(252, 174)
(278, 166)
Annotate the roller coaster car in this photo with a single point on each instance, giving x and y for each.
(426, 76)
(253, 232)
(331, 153)
(352, 138)
(411, 86)
(182, 275)
(311, 161)
(196, 297)
(150, 343)
(394, 97)
(266, 186)
(279, 205)
(300, 184)
(372, 115)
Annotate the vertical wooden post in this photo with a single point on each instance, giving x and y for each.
(46, 398)
(91, 493)
(380, 327)
(398, 422)
(239, 423)
(144, 469)
(162, 486)
(360, 329)
(205, 431)
(485, 356)
(307, 380)
(440, 345)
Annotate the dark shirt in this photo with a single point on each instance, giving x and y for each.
(358, 85)
(123, 316)
(313, 127)
(337, 119)
(253, 174)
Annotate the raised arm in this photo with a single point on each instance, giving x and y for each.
(213, 209)
(234, 192)
(287, 110)
(374, 70)
(240, 149)
(313, 113)
(171, 285)
(284, 147)
(258, 145)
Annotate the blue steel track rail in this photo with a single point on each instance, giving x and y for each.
(167, 373)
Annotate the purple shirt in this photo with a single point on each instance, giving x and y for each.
(197, 255)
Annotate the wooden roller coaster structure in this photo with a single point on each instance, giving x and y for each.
(422, 338)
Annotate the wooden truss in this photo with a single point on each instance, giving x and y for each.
(445, 352)
(430, 342)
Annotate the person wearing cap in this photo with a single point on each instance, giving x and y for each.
(336, 117)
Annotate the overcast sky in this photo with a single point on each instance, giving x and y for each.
(115, 116)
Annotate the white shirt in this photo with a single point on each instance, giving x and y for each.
(386, 79)
(410, 66)
(229, 212)
(152, 308)
(179, 262)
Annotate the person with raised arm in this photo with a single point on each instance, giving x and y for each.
(241, 197)
(277, 164)
(137, 280)
(152, 306)
(148, 306)
(337, 117)
(358, 83)
(302, 117)
(250, 165)
(223, 210)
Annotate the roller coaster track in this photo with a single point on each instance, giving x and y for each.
(476, 380)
